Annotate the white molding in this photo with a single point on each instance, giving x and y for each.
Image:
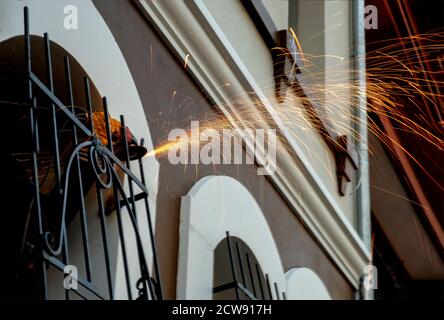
(191, 30)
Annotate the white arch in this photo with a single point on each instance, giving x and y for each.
(214, 205)
(304, 284)
(95, 48)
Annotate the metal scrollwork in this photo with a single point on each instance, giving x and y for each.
(73, 181)
(100, 164)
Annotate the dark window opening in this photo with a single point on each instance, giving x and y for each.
(238, 275)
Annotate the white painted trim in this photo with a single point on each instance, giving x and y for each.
(191, 30)
(214, 205)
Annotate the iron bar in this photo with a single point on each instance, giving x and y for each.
(276, 291)
(143, 267)
(100, 201)
(35, 170)
(267, 279)
(233, 271)
(104, 239)
(117, 204)
(55, 131)
(260, 281)
(150, 229)
(36, 146)
(142, 261)
(251, 274)
(241, 269)
(83, 215)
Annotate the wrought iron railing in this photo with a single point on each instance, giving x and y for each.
(89, 159)
(248, 281)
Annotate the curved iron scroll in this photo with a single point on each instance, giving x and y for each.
(89, 165)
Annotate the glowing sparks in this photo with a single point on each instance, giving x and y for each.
(163, 148)
(393, 73)
(298, 45)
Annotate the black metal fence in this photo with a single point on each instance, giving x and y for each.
(88, 164)
(248, 280)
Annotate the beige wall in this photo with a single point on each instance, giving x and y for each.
(323, 29)
(278, 10)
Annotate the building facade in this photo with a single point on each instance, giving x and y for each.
(130, 222)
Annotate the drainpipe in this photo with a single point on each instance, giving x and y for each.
(359, 78)
(362, 181)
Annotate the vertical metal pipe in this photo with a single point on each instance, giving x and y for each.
(233, 271)
(359, 79)
(361, 127)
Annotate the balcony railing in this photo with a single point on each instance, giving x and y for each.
(93, 161)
